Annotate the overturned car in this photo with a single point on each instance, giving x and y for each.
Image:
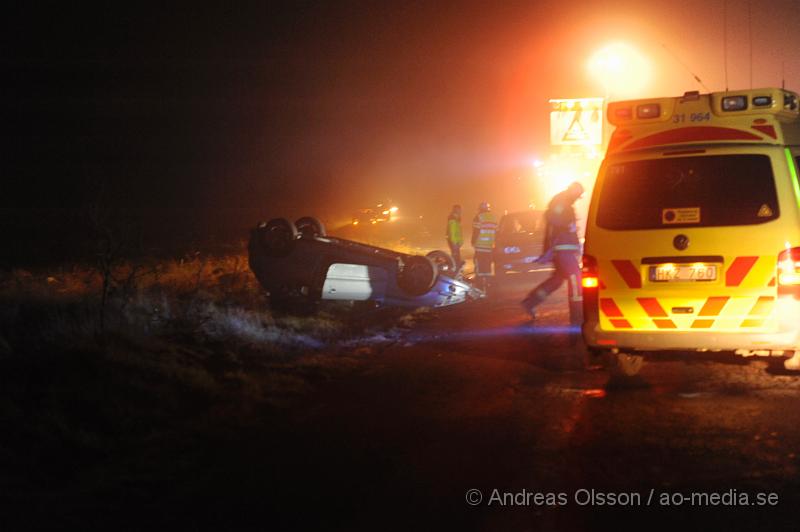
(300, 262)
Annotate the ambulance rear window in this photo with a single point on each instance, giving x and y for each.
(704, 191)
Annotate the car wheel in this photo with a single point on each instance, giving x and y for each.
(309, 227)
(277, 237)
(624, 364)
(416, 275)
(443, 261)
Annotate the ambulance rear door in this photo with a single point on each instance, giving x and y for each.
(688, 240)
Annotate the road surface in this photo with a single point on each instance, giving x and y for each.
(481, 420)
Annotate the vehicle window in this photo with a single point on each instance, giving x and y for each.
(704, 191)
(523, 222)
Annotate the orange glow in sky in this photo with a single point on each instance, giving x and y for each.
(621, 70)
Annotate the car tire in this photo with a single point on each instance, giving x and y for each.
(443, 261)
(277, 237)
(309, 227)
(416, 275)
(624, 364)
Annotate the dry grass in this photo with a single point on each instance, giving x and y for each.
(180, 348)
(203, 297)
(120, 377)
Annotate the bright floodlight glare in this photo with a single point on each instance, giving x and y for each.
(621, 69)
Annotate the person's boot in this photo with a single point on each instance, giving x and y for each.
(529, 307)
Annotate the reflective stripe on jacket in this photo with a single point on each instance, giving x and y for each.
(454, 231)
(484, 227)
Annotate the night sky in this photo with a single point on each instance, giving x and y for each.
(325, 108)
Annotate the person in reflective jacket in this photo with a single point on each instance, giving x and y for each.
(454, 238)
(484, 229)
(561, 243)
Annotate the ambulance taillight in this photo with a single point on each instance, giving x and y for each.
(590, 282)
(589, 277)
(789, 267)
(589, 272)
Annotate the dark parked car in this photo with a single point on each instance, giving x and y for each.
(519, 241)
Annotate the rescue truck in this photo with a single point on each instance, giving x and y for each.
(693, 231)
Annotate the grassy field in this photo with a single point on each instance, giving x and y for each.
(116, 377)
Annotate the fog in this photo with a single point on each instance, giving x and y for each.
(306, 108)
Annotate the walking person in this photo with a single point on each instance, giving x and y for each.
(484, 229)
(562, 244)
(454, 236)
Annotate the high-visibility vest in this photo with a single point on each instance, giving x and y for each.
(454, 231)
(484, 226)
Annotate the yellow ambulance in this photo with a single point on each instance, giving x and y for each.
(693, 231)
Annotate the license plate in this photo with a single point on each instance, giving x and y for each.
(666, 273)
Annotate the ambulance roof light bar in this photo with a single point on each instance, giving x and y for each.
(782, 103)
(739, 102)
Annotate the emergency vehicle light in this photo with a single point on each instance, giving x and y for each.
(589, 273)
(762, 101)
(623, 113)
(650, 110)
(790, 102)
(789, 267)
(734, 103)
